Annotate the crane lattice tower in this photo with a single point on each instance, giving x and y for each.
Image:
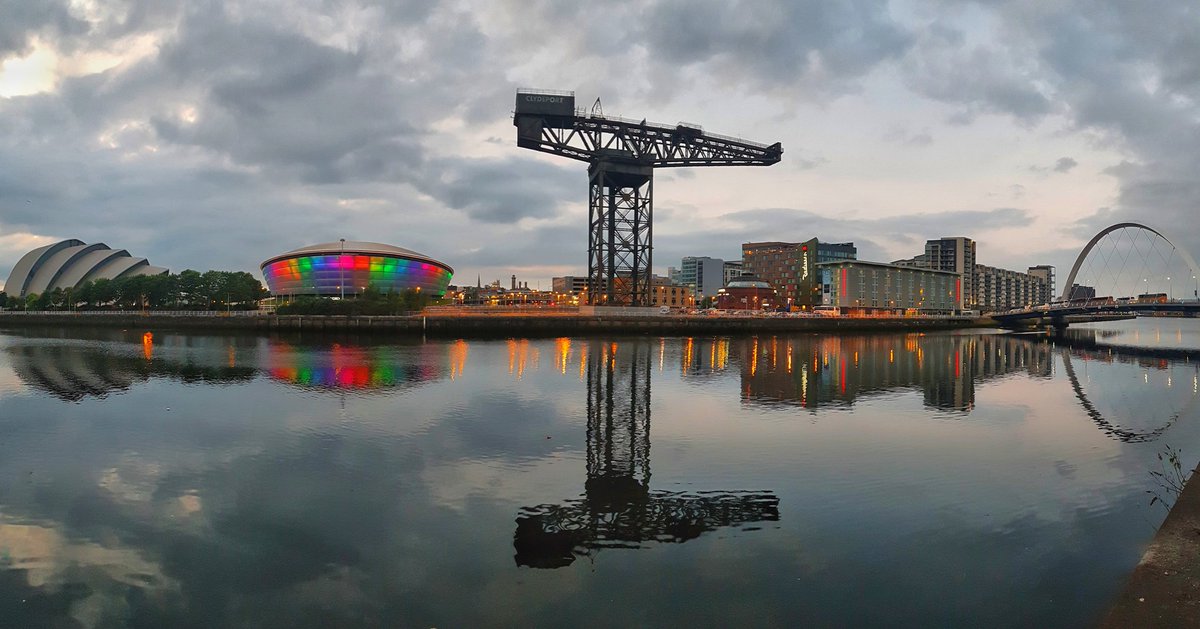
(622, 155)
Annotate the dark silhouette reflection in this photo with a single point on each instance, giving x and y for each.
(618, 509)
(1085, 346)
(72, 372)
(1099, 341)
(363, 368)
(100, 363)
(814, 371)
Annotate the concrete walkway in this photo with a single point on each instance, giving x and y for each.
(1164, 589)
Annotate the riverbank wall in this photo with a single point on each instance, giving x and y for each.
(503, 326)
(1164, 588)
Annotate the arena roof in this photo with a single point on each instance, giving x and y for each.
(356, 247)
(69, 263)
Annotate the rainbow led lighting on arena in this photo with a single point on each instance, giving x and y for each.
(347, 268)
(363, 369)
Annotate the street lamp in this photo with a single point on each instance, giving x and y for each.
(342, 269)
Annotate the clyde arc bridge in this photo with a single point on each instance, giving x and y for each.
(1124, 270)
(622, 155)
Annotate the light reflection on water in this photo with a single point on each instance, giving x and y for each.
(900, 480)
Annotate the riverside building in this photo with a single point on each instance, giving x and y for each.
(997, 290)
(790, 267)
(984, 288)
(876, 287)
(703, 274)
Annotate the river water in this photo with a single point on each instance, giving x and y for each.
(941, 479)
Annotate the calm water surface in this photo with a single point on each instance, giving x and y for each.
(811, 480)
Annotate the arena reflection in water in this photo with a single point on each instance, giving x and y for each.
(363, 369)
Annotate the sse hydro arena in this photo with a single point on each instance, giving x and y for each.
(349, 267)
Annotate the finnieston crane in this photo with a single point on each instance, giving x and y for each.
(622, 155)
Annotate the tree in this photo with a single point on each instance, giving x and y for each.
(104, 292)
(214, 284)
(191, 285)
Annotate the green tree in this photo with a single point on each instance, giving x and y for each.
(104, 292)
(191, 285)
(214, 284)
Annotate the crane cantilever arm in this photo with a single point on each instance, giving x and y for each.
(591, 137)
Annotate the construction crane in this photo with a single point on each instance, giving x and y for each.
(618, 509)
(622, 155)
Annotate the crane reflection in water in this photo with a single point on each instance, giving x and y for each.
(618, 509)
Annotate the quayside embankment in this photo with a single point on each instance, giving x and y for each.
(1164, 588)
(507, 325)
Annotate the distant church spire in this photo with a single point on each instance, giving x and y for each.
(478, 281)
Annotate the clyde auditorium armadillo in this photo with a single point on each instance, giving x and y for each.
(68, 264)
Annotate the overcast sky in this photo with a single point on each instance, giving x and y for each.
(216, 134)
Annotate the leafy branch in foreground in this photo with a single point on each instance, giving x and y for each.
(1170, 478)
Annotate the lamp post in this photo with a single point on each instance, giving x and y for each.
(342, 269)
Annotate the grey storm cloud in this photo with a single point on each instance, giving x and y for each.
(502, 191)
(945, 67)
(249, 125)
(776, 44)
(1127, 71)
(1064, 165)
(24, 20)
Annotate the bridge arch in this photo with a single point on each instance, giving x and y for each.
(1187, 257)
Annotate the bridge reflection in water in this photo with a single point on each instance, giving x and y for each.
(817, 371)
(618, 509)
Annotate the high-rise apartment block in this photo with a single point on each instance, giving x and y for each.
(1045, 272)
(982, 287)
(997, 290)
(957, 255)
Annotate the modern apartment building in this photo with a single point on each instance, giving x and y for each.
(957, 255)
(790, 267)
(569, 284)
(664, 292)
(997, 290)
(1046, 273)
(733, 270)
(704, 274)
(875, 286)
(984, 288)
